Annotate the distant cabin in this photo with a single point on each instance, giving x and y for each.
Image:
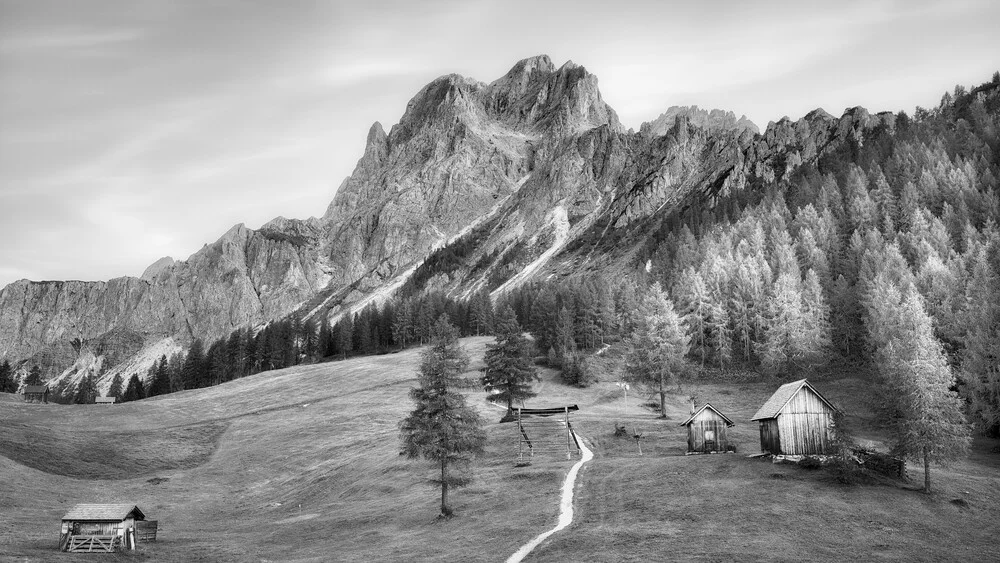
(100, 527)
(796, 420)
(105, 400)
(39, 393)
(706, 429)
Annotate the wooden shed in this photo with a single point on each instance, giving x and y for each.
(796, 420)
(105, 400)
(707, 430)
(38, 393)
(100, 527)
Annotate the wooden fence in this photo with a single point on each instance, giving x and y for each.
(91, 544)
(145, 530)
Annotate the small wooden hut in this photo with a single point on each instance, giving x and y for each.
(706, 429)
(796, 420)
(39, 393)
(105, 400)
(100, 527)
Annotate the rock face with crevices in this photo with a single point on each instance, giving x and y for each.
(536, 160)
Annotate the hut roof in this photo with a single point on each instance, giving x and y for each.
(105, 399)
(103, 512)
(36, 388)
(780, 398)
(713, 409)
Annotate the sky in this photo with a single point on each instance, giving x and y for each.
(136, 129)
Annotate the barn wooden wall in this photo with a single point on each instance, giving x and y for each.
(707, 420)
(804, 425)
(769, 439)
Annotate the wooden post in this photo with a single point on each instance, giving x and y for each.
(569, 455)
(520, 433)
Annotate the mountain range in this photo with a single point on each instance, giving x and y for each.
(533, 172)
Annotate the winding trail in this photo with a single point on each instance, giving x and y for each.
(565, 505)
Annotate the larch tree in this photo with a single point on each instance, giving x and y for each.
(925, 416)
(657, 347)
(509, 372)
(815, 339)
(980, 371)
(443, 428)
(704, 316)
(784, 347)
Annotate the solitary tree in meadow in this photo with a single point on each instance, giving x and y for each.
(443, 428)
(926, 417)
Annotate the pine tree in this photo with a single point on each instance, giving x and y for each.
(509, 371)
(86, 391)
(194, 366)
(116, 387)
(34, 376)
(784, 347)
(443, 428)
(656, 349)
(344, 334)
(159, 383)
(481, 312)
(925, 416)
(7, 378)
(402, 326)
(311, 340)
(134, 391)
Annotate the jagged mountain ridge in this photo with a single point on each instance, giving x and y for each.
(536, 160)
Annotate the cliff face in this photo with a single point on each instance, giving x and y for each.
(536, 157)
(245, 278)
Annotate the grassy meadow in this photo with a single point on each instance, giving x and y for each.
(303, 464)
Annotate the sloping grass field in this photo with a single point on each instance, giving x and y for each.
(303, 464)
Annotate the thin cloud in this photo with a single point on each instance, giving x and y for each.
(61, 40)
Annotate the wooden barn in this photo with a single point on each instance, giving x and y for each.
(100, 527)
(38, 393)
(105, 400)
(706, 430)
(796, 420)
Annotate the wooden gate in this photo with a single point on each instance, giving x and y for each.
(145, 530)
(91, 544)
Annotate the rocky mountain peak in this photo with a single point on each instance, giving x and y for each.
(534, 95)
(713, 121)
(156, 268)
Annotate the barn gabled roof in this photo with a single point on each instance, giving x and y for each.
(36, 388)
(103, 512)
(780, 398)
(713, 409)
